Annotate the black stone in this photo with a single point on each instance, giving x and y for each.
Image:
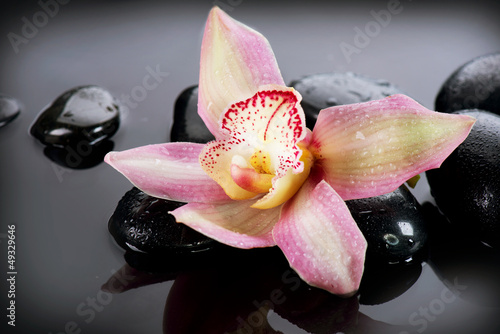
(467, 186)
(80, 156)
(86, 114)
(142, 223)
(188, 125)
(393, 225)
(9, 110)
(475, 85)
(321, 91)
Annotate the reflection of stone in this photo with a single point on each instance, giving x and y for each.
(469, 268)
(233, 292)
(383, 282)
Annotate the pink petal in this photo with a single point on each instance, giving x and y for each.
(369, 149)
(235, 61)
(321, 240)
(233, 223)
(171, 171)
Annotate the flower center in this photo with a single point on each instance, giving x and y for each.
(261, 162)
(256, 175)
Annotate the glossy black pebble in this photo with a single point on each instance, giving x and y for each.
(86, 114)
(9, 110)
(321, 91)
(467, 186)
(141, 223)
(393, 225)
(188, 125)
(81, 156)
(475, 85)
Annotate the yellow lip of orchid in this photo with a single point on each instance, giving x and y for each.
(267, 180)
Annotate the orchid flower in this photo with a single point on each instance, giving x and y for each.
(267, 180)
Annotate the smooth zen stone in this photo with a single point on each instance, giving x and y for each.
(475, 85)
(467, 186)
(321, 91)
(142, 223)
(393, 225)
(9, 110)
(81, 156)
(86, 114)
(188, 125)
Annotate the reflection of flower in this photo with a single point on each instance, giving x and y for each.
(216, 298)
(267, 180)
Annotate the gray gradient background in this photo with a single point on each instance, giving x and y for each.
(64, 252)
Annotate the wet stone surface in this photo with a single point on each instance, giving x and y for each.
(467, 186)
(393, 225)
(86, 114)
(321, 91)
(475, 85)
(188, 125)
(79, 156)
(142, 224)
(10, 108)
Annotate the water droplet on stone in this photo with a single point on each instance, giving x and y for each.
(321, 91)
(144, 223)
(475, 85)
(467, 185)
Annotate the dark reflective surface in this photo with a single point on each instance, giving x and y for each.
(146, 53)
